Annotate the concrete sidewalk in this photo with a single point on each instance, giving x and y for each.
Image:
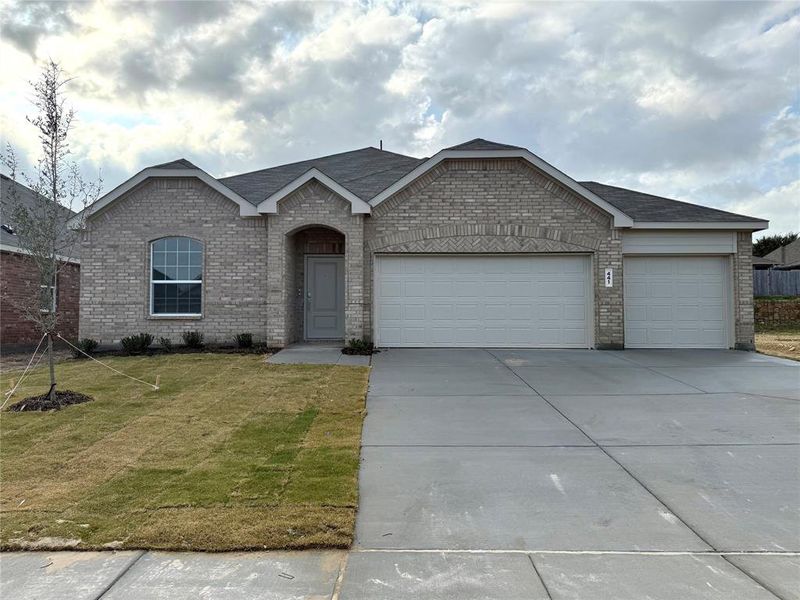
(394, 575)
(316, 354)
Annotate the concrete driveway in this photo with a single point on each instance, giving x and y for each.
(527, 474)
(579, 474)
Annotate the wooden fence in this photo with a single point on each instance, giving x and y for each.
(769, 282)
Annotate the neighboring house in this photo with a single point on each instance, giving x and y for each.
(762, 263)
(483, 244)
(786, 257)
(19, 278)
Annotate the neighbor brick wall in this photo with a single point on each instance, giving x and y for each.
(312, 205)
(20, 285)
(499, 205)
(743, 291)
(777, 312)
(115, 261)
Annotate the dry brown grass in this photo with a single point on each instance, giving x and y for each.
(783, 341)
(230, 453)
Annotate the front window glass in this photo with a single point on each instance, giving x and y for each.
(177, 276)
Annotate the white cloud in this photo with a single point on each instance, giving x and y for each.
(693, 100)
(779, 205)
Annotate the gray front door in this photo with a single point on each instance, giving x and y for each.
(324, 297)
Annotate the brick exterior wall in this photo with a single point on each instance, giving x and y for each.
(254, 277)
(743, 292)
(499, 205)
(115, 263)
(19, 280)
(777, 312)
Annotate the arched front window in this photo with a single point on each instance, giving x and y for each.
(176, 277)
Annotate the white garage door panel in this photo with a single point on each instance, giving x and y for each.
(676, 302)
(491, 300)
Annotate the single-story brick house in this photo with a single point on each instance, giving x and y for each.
(19, 278)
(482, 244)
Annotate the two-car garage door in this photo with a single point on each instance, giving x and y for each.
(502, 300)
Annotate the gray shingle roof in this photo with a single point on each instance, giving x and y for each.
(482, 144)
(30, 200)
(788, 254)
(180, 163)
(648, 208)
(364, 172)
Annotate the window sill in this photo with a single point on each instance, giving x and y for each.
(175, 317)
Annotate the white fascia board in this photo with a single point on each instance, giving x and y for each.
(18, 250)
(245, 208)
(270, 204)
(620, 218)
(734, 225)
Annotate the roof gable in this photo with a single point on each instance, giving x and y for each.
(786, 254)
(179, 168)
(270, 204)
(619, 217)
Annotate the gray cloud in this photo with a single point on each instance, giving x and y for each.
(693, 99)
(24, 23)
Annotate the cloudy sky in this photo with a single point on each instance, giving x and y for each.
(693, 100)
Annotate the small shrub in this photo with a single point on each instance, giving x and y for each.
(88, 345)
(193, 339)
(137, 344)
(166, 344)
(361, 346)
(244, 340)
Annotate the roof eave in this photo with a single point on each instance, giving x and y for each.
(754, 225)
(270, 204)
(20, 250)
(620, 218)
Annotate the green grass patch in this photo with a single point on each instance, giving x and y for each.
(230, 454)
(777, 298)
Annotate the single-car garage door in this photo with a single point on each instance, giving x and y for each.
(676, 302)
(496, 300)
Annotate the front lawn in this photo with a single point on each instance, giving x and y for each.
(230, 453)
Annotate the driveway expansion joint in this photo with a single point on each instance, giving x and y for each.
(120, 575)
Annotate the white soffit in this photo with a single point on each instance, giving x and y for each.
(734, 225)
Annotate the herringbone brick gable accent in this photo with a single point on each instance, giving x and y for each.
(488, 238)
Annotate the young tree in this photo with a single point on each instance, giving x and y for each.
(43, 227)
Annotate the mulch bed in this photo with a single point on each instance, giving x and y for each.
(206, 349)
(43, 403)
(359, 351)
